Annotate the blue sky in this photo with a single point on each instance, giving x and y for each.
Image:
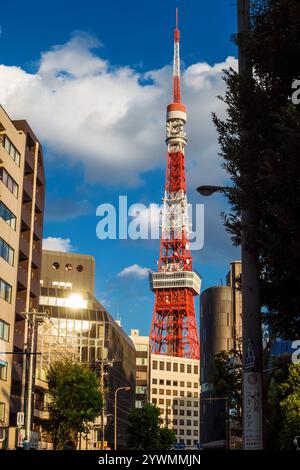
(94, 81)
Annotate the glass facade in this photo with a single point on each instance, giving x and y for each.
(88, 335)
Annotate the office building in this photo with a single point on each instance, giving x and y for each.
(21, 226)
(174, 389)
(82, 329)
(141, 344)
(221, 330)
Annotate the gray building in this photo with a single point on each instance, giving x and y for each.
(221, 330)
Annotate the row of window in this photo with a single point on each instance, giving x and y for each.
(183, 422)
(11, 149)
(7, 252)
(9, 182)
(3, 370)
(187, 432)
(5, 291)
(173, 392)
(4, 330)
(7, 216)
(169, 403)
(141, 361)
(175, 383)
(168, 367)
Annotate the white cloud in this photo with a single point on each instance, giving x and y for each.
(57, 244)
(134, 270)
(106, 118)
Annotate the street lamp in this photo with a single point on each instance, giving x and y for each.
(116, 398)
(251, 332)
(209, 190)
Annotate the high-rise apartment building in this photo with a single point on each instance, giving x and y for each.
(221, 330)
(21, 226)
(82, 329)
(142, 349)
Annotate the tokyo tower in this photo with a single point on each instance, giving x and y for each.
(174, 328)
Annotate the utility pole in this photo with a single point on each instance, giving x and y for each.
(34, 319)
(251, 306)
(103, 363)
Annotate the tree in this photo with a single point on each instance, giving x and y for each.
(167, 438)
(260, 146)
(145, 432)
(284, 407)
(226, 378)
(75, 400)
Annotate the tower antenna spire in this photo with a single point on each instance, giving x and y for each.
(176, 64)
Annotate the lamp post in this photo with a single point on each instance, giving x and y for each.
(116, 414)
(252, 336)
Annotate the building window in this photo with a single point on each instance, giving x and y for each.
(181, 422)
(154, 391)
(175, 393)
(181, 367)
(9, 182)
(181, 432)
(196, 384)
(175, 422)
(141, 361)
(161, 391)
(161, 382)
(154, 365)
(4, 330)
(79, 268)
(175, 367)
(195, 394)
(196, 370)
(195, 433)
(168, 392)
(188, 403)
(181, 384)
(188, 432)
(68, 267)
(154, 381)
(181, 403)
(196, 413)
(181, 412)
(141, 347)
(140, 390)
(182, 393)
(11, 149)
(175, 402)
(188, 413)
(188, 422)
(5, 291)
(7, 216)
(189, 369)
(175, 383)
(161, 365)
(188, 442)
(2, 411)
(168, 366)
(189, 384)
(168, 382)
(6, 252)
(161, 401)
(196, 423)
(168, 402)
(3, 370)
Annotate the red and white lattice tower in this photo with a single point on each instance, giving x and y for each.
(174, 327)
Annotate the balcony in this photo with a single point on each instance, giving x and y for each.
(22, 277)
(41, 409)
(24, 245)
(26, 216)
(28, 185)
(29, 161)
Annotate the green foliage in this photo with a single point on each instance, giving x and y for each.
(284, 407)
(145, 432)
(260, 146)
(167, 438)
(226, 378)
(75, 400)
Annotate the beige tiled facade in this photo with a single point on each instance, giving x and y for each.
(174, 388)
(21, 222)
